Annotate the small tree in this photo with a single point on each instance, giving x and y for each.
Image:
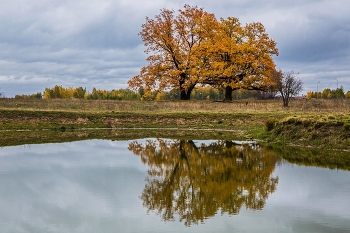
(79, 93)
(347, 95)
(287, 84)
(339, 92)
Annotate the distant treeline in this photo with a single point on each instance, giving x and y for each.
(199, 93)
(329, 94)
(59, 92)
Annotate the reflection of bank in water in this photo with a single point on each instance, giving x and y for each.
(333, 159)
(196, 180)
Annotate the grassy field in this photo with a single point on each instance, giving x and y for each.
(313, 123)
(338, 106)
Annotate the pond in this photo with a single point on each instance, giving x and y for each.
(165, 185)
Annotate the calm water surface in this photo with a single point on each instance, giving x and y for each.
(154, 185)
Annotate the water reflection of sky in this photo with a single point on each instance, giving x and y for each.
(95, 186)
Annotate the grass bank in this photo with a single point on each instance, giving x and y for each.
(330, 131)
(313, 123)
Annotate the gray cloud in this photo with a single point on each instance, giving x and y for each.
(96, 43)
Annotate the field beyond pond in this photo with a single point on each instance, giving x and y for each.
(312, 122)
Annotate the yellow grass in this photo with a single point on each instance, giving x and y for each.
(335, 106)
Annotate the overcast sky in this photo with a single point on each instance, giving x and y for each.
(93, 43)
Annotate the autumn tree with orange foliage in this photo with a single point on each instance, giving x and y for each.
(193, 47)
(239, 57)
(171, 41)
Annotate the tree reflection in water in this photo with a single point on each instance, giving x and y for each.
(195, 182)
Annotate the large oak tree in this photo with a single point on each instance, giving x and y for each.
(193, 47)
(171, 40)
(238, 57)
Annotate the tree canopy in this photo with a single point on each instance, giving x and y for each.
(193, 47)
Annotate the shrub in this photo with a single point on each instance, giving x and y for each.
(319, 124)
(307, 123)
(291, 121)
(270, 124)
(314, 136)
(346, 127)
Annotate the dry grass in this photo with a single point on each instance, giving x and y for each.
(339, 106)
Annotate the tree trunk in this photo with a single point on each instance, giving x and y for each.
(189, 91)
(228, 94)
(183, 92)
(183, 95)
(186, 94)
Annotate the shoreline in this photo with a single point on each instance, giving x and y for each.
(260, 121)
